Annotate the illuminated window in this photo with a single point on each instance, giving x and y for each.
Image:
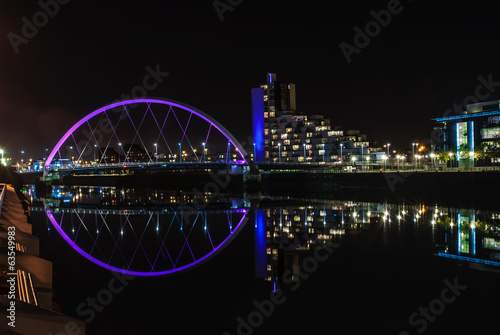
(295, 147)
(288, 130)
(461, 133)
(284, 136)
(487, 133)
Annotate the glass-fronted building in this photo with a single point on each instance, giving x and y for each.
(480, 123)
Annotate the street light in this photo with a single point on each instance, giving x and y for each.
(418, 161)
(432, 157)
(204, 152)
(398, 157)
(384, 158)
(413, 150)
(156, 152)
(254, 155)
(341, 145)
(180, 151)
(304, 146)
(323, 152)
(471, 155)
(450, 154)
(119, 154)
(279, 152)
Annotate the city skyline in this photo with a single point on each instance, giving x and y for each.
(408, 73)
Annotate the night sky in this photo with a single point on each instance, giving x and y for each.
(90, 53)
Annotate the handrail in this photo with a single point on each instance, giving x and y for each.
(2, 195)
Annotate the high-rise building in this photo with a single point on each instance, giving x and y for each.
(281, 134)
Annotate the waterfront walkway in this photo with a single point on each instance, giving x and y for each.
(26, 300)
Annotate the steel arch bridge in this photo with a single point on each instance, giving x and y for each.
(102, 134)
(133, 131)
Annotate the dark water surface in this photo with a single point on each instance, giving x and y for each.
(292, 266)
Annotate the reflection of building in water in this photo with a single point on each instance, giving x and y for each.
(112, 196)
(470, 233)
(285, 236)
(292, 231)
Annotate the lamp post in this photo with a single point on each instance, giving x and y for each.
(156, 152)
(432, 158)
(323, 152)
(398, 157)
(413, 150)
(204, 153)
(254, 155)
(341, 145)
(388, 154)
(279, 152)
(384, 158)
(450, 154)
(180, 151)
(304, 146)
(367, 161)
(119, 154)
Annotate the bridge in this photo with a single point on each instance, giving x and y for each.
(154, 134)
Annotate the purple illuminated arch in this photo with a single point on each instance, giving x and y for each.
(82, 252)
(171, 103)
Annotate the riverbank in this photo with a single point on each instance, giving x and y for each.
(26, 297)
(471, 186)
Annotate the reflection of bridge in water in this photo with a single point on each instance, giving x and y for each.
(146, 242)
(159, 231)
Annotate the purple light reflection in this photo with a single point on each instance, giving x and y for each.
(82, 252)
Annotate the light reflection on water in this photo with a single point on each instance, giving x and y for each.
(157, 231)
